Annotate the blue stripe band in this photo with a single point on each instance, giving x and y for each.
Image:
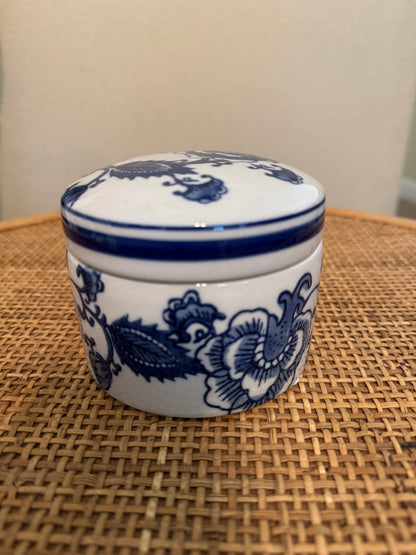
(223, 227)
(188, 251)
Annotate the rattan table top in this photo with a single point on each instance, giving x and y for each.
(328, 467)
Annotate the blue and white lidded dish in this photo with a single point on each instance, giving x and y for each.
(195, 276)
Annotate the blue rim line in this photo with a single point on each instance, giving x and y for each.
(190, 228)
(192, 251)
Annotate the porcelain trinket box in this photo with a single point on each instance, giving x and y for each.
(195, 277)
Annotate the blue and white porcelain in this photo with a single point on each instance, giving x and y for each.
(195, 277)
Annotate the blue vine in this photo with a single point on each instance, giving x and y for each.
(194, 186)
(255, 358)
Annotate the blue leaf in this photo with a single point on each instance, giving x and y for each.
(150, 352)
(285, 175)
(72, 194)
(92, 283)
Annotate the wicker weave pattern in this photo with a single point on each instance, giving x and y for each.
(328, 467)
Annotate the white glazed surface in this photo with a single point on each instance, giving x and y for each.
(160, 190)
(189, 272)
(251, 345)
(192, 216)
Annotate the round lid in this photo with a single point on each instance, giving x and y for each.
(193, 215)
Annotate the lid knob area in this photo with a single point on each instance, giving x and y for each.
(194, 215)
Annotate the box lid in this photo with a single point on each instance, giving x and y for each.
(194, 215)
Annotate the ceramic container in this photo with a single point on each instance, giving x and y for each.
(195, 276)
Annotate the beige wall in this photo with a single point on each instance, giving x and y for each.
(325, 85)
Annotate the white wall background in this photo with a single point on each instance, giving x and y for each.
(325, 85)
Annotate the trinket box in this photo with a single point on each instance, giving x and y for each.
(195, 276)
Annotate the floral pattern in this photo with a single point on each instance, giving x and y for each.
(194, 186)
(257, 356)
(273, 169)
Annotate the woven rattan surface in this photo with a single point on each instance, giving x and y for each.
(327, 467)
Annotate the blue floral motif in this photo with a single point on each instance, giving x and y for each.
(255, 358)
(102, 369)
(217, 158)
(202, 188)
(273, 169)
(150, 352)
(92, 283)
(73, 193)
(151, 168)
(258, 355)
(279, 172)
(146, 350)
(182, 314)
(196, 187)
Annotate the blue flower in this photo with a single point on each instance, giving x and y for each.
(198, 188)
(101, 368)
(255, 359)
(188, 313)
